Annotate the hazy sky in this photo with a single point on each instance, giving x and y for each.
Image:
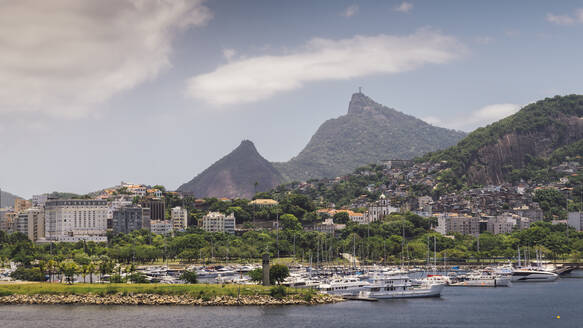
(154, 91)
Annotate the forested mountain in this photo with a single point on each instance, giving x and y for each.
(240, 174)
(522, 146)
(368, 133)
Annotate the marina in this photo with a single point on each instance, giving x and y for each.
(518, 306)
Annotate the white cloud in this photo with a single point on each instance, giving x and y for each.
(404, 7)
(479, 118)
(229, 54)
(64, 57)
(256, 78)
(560, 19)
(577, 17)
(350, 11)
(484, 40)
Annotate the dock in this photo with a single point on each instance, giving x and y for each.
(564, 269)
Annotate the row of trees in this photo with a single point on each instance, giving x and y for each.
(400, 237)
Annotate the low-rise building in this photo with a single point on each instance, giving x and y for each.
(449, 223)
(264, 202)
(161, 227)
(219, 222)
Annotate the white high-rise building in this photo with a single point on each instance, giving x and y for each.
(179, 218)
(76, 219)
(218, 222)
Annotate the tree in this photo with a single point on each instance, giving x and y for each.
(189, 276)
(278, 273)
(341, 218)
(256, 275)
(290, 222)
(70, 269)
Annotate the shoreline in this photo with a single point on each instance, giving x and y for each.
(154, 299)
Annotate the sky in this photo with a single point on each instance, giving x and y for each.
(93, 93)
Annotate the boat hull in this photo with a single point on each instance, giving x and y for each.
(494, 282)
(533, 276)
(432, 291)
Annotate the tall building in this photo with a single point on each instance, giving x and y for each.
(31, 222)
(127, 219)
(39, 200)
(575, 220)
(76, 219)
(179, 218)
(218, 222)
(157, 208)
(21, 205)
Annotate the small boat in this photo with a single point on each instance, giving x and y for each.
(399, 287)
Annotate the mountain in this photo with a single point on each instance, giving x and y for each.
(240, 174)
(7, 199)
(368, 133)
(521, 146)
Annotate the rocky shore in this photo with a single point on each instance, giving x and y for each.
(151, 299)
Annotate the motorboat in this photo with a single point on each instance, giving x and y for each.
(345, 286)
(399, 286)
(533, 275)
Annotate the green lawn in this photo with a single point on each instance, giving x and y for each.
(195, 290)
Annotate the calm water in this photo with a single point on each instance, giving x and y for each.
(523, 305)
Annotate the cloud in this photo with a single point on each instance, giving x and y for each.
(577, 17)
(65, 57)
(350, 11)
(229, 54)
(484, 40)
(479, 118)
(404, 7)
(256, 78)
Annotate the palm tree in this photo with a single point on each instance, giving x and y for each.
(91, 268)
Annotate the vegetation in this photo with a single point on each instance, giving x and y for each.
(544, 115)
(189, 276)
(198, 290)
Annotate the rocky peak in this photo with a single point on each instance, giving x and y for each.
(360, 103)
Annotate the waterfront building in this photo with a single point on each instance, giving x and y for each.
(179, 218)
(219, 222)
(161, 227)
(76, 219)
(127, 219)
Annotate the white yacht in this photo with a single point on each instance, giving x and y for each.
(399, 287)
(346, 286)
(481, 280)
(533, 275)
